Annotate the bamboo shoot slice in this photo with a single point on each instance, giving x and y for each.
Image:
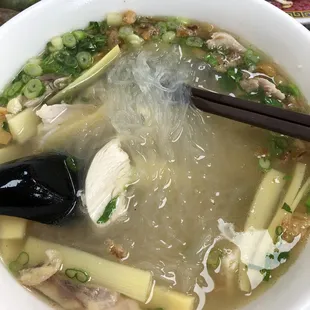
(260, 214)
(129, 281)
(12, 227)
(23, 126)
(170, 300)
(298, 177)
(87, 77)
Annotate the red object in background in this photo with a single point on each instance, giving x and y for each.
(299, 6)
(300, 9)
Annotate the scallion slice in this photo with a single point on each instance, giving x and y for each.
(14, 89)
(34, 88)
(33, 70)
(84, 59)
(79, 34)
(168, 36)
(56, 44)
(279, 230)
(108, 211)
(264, 163)
(162, 26)
(3, 101)
(194, 42)
(80, 275)
(69, 40)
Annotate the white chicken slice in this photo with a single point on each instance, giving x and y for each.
(36, 275)
(270, 89)
(107, 177)
(225, 40)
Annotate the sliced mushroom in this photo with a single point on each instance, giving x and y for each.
(253, 84)
(226, 41)
(36, 275)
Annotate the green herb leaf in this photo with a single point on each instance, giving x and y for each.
(266, 273)
(287, 177)
(72, 164)
(286, 207)
(78, 274)
(5, 126)
(279, 230)
(283, 256)
(108, 211)
(308, 205)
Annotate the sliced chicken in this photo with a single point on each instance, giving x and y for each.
(230, 61)
(106, 180)
(37, 275)
(250, 85)
(225, 40)
(75, 296)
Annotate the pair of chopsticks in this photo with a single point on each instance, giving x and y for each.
(282, 121)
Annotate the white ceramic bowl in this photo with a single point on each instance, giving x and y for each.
(256, 21)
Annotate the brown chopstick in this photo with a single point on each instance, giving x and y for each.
(286, 122)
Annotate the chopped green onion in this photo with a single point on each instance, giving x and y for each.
(279, 230)
(93, 28)
(100, 41)
(183, 20)
(72, 164)
(84, 59)
(283, 256)
(287, 177)
(168, 36)
(34, 88)
(226, 83)
(5, 126)
(264, 163)
(235, 74)
(79, 34)
(14, 89)
(250, 58)
(214, 259)
(104, 27)
(272, 101)
(26, 78)
(271, 256)
(194, 42)
(69, 40)
(125, 31)
(289, 89)
(135, 40)
(173, 25)
(15, 267)
(266, 273)
(286, 207)
(3, 101)
(211, 60)
(80, 275)
(108, 211)
(278, 146)
(56, 44)
(33, 70)
(21, 261)
(34, 60)
(114, 19)
(162, 26)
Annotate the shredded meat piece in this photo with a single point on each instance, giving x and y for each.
(113, 38)
(37, 275)
(295, 225)
(184, 31)
(149, 32)
(270, 89)
(230, 61)
(225, 40)
(116, 249)
(129, 17)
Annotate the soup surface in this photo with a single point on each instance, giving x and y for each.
(177, 209)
